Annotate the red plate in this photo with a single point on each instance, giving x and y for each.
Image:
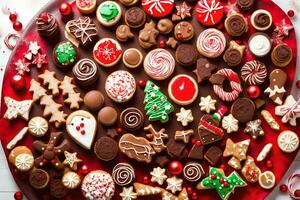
(253, 191)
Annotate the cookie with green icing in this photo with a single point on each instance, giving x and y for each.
(109, 13)
(224, 185)
(65, 55)
(156, 103)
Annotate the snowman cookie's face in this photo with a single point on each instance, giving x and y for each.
(81, 126)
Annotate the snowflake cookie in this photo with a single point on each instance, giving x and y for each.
(185, 116)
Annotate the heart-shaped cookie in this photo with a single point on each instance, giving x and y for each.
(82, 126)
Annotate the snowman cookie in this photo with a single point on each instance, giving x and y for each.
(82, 127)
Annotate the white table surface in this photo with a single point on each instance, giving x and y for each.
(27, 8)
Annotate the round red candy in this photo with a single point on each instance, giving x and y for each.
(158, 8)
(209, 12)
(183, 89)
(18, 83)
(175, 167)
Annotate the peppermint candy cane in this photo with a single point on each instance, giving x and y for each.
(235, 85)
(293, 181)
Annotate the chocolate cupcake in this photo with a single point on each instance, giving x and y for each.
(245, 5)
(236, 25)
(86, 72)
(47, 25)
(261, 20)
(135, 17)
(186, 54)
(281, 55)
(260, 44)
(65, 55)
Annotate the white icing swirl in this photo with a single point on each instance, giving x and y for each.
(211, 43)
(71, 180)
(38, 126)
(159, 64)
(260, 45)
(254, 72)
(123, 174)
(120, 86)
(193, 172)
(24, 162)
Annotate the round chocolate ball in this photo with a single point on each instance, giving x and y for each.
(106, 149)
(93, 100)
(107, 116)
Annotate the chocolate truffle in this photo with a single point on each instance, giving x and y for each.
(281, 55)
(65, 55)
(85, 72)
(186, 54)
(131, 119)
(232, 57)
(132, 58)
(243, 109)
(236, 25)
(106, 149)
(107, 116)
(93, 100)
(245, 5)
(135, 17)
(57, 189)
(38, 178)
(260, 44)
(47, 25)
(261, 20)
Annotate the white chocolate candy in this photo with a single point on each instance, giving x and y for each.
(288, 141)
(260, 45)
(17, 138)
(264, 152)
(71, 180)
(38, 126)
(267, 180)
(24, 162)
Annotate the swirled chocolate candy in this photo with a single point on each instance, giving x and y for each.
(236, 25)
(233, 57)
(123, 174)
(245, 4)
(281, 55)
(46, 25)
(38, 178)
(261, 20)
(85, 72)
(132, 119)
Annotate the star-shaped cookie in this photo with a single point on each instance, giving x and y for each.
(207, 104)
(174, 184)
(128, 194)
(71, 160)
(185, 116)
(158, 175)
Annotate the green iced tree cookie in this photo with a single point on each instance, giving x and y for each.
(156, 103)
(218, 181)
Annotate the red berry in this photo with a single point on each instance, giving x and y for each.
(142, 83)
(298, 84)
(213, 176)
(18, 195)
(175, 167)
(283, 188)
(82, 132)
(223, 167)
(194, 196)
(189, 190)
(65, 8)
(13, 17)
(17, 26)
(269, 164)
(162, 44)
(84, 169)
(194, 140)
(78, 128)
(18, 83)
(119, 130)
(253, 91)
(221, 180)
(146, 179)
(198, 143)
(291, 13)
(297, 193)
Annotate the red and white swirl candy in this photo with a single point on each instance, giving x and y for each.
(211, 43)
(235, 85)
(159, 64)
(158, 8)
(209, 12)
(120, 86)
(254, 72)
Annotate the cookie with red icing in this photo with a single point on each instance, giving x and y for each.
(209, 12)
(107, 52)
(183, 89)
(158, 8)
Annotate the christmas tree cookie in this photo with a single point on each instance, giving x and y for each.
(218, 181)
(156, 103)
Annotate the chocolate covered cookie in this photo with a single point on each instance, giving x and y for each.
(106, 148)
(184, 31)
(107, 116)
(135, 17)
(93, 100)
(281, 55)
(235, 24)
(131, 119)
(85, 72)
(243, 109)
(245, 5)
(38, 178)
(234, 54)
(65, 55)
(132, 58)
(186, 54)
(261, 20)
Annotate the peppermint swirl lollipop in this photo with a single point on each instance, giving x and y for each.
(159, 64)
(131, 119)
(123, 174)
(193, 172)
(120, 86)
(85, 72)
(254, 72)
(211, 43)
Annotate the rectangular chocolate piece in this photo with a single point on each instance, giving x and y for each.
(175, 149)
(213, 155)
(196, 152)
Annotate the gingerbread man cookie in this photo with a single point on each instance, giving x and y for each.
(147, 36)
(276, 88)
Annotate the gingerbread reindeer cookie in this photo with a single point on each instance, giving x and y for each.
(276, 88)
